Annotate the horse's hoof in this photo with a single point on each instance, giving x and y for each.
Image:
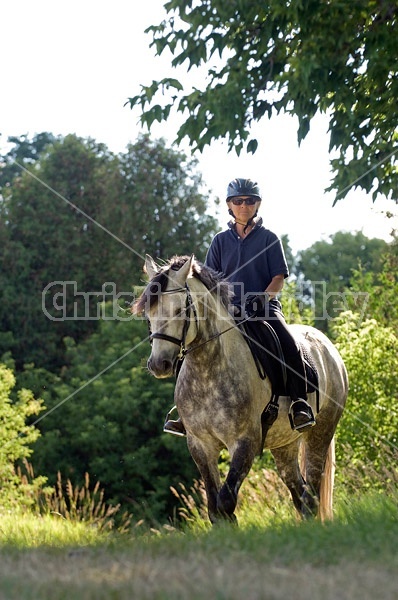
(309, 505)
(222, 519)
(226, 501)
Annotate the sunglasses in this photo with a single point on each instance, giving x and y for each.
(247, 201)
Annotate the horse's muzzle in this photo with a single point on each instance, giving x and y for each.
(161, 366)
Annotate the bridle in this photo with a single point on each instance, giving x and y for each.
(189, 306)
(181, 342)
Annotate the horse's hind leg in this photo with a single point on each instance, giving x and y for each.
(287, 463)
(318, 449)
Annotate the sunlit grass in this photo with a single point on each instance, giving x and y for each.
(272, 554)
(28, 530)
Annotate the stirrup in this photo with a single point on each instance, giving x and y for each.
(174, 427)
(303, 419)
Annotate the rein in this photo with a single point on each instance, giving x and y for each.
(216, 335)
(181, 342)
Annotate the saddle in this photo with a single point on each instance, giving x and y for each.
(268, 356)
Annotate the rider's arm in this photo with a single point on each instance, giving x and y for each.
(275, 286)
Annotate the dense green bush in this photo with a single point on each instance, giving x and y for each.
(105, 416)
(16, 438)
(368, 431)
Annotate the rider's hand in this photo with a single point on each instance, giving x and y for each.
(255, 305)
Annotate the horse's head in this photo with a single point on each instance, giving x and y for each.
(170, 312)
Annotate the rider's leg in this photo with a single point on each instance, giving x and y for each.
(300, 413)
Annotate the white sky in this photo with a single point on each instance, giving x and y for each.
(69, 67)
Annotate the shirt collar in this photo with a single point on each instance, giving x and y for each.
(258, 221)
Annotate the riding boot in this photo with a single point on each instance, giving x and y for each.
(300, 415)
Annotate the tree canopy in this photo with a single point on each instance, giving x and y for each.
(75, 217)
(333, 260)
(302, 58)
(325, 271)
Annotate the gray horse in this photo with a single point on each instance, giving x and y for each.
(220, 396)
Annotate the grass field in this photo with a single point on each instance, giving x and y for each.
(355, 557)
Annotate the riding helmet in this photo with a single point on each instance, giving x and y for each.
(243, 187)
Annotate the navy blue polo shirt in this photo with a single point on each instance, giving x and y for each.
(248, 263)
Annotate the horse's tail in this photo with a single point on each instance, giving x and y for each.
(327, 482)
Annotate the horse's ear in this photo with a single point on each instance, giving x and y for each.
(150, 267)
(180, 276)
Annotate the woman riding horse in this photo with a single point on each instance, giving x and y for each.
(251, 257)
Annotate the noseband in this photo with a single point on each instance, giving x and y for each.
(189, 305)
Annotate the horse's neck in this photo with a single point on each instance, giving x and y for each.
(212, 315)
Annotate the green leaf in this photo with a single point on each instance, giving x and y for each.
(252, 146)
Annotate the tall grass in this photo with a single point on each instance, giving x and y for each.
(264, 500)
(76, 503)
(28, 530)
(353, 557)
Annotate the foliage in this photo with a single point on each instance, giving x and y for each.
(162, 210)
(294, 309)
(16, 436)
(24, 152)
(46, 241)
(74, 230)
(334, 259)
(105, 416)
(261, 58)
(368, 429)
(324, 273)
(379, 290)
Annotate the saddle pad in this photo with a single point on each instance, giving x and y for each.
(311, 372)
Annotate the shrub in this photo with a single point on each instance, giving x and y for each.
(16, 436)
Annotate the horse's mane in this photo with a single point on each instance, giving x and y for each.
(212, 280)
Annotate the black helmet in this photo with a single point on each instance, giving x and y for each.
(243, 187)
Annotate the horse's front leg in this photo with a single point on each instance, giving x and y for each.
(206, 459)
(242, 456)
